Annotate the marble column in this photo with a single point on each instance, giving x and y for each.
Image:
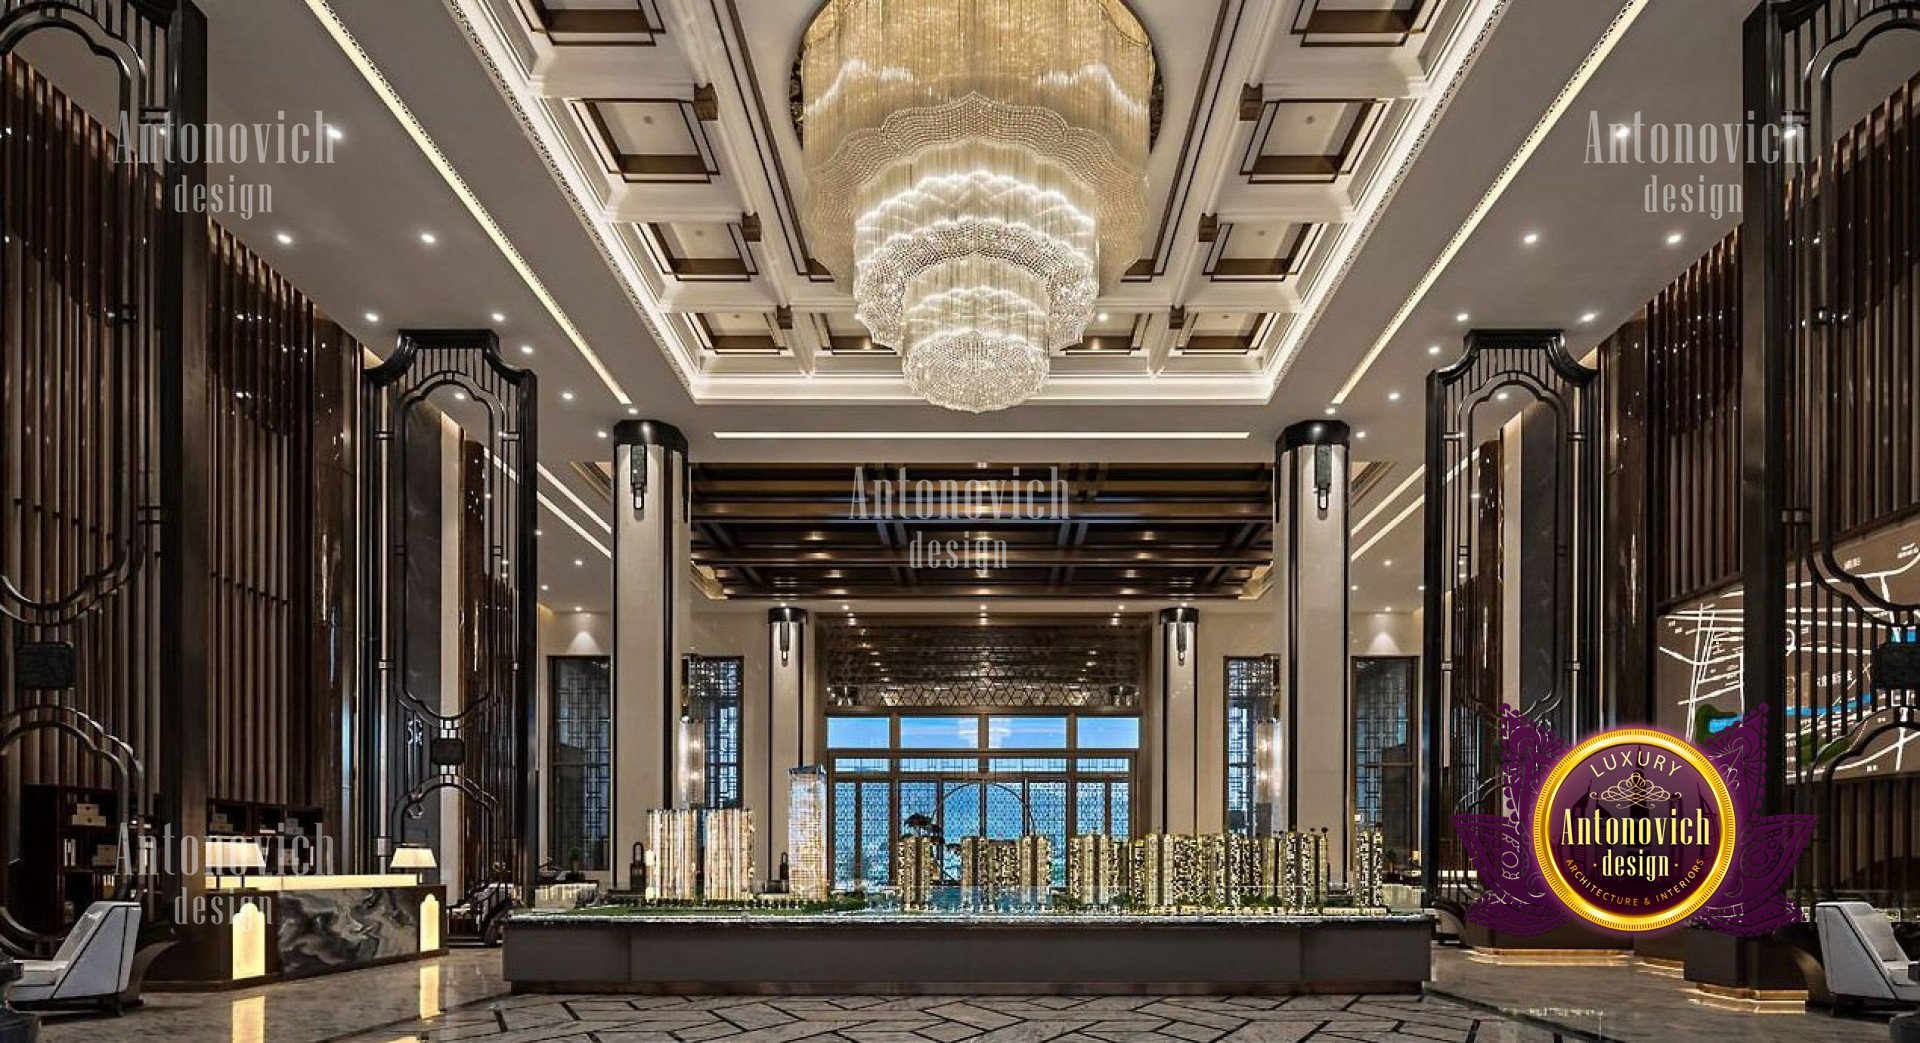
(653, 764)
(1179, 732)
(1310, 583)
(788, 646)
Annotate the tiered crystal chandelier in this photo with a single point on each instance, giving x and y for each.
(977, 174)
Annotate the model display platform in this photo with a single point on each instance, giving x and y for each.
(1049, 953)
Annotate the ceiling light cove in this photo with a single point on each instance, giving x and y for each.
(977, 175)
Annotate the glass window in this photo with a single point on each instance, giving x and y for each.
(940, 764)
(939, 733)
(1109, 733)
(1027, 764)
(1103, 764)
(864, 765)
(1249, 688)
(858, 733)
(1027, 733)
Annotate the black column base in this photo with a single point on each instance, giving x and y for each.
(1779, 962)
(16, 1027)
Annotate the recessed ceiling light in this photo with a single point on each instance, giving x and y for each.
(429, 238)
(1589, 317)
(1355, 588)
(526, 349)
(1462, 317)
(633, 410)
(459, 396)
(1393, 396)
(285, 239)
(499, 317)
(1621, 130)
(846, 608)
(1102, 317)
(566, 396)
(373, 316)
(1500, 397)
(601, 434)
(578, 564)
(577, 608)
(1388, 563)
(1359, 434)
(545, 586)
(1673, 238)
(1433, 349)
(1331, 410)
(1530, 238)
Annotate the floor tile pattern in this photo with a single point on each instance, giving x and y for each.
(973, 1019)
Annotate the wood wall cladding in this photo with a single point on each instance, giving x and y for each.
(1693, 359)
(78, 421)
(79, 471)
(267, 352)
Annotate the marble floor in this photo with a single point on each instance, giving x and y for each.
(324, 1008)
(461, 997)
(1629, 1003)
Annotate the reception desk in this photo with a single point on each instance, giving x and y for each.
(936, 953)
(249, 930)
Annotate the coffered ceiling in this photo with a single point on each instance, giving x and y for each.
(1282, 130)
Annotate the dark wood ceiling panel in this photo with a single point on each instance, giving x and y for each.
(1077, 531)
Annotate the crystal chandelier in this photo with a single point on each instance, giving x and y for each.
(977, 174)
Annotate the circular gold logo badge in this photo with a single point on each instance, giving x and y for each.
(1634, 830)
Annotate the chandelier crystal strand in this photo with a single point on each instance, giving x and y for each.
(976, 176)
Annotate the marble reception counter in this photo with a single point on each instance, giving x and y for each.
(934, 952)
(274, 928)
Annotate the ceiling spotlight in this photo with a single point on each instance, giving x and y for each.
(459, 396)
(1500, 397)
(285, 239)
(545, 586)
(579, 564)
(1621, 130)
(600, 434)
(1331, 410)
(1388, 563)
(1355, 588)
(1393, 396)
(429, 238)
(1530, 238)
(566, 396)
(1433, 349)
(1673, 238)
(633, 410)
(846, 608)
(1462, 317)
(1359, 434)
(526, 349)
(373, 316)
(498, 317)
(1102, 317)
(577, 608)
(1589, 317)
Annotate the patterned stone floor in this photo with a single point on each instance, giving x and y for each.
(976, 1019)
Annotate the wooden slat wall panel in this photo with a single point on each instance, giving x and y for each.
(1693, 345)
(77, 427)
(77, 416)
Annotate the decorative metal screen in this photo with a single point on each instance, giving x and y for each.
(1249, 704)
(714, 689)
(476, 742)
(958, 665)
(1833, 350)
(1383, 709)
(1514, 404)
(580, 761)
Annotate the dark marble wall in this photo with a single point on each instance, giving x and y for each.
(321, 931)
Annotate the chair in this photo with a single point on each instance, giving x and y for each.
(1863, 960)
(94, 964)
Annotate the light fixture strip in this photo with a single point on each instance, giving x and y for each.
(350, 46)
(598, 518)
(1387, 501)
(1616, 31)
(982, 436)
(567, 519)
